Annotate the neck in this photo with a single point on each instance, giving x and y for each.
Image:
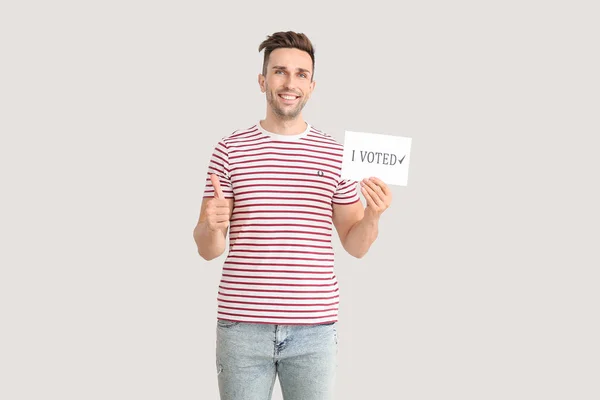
(275, 124)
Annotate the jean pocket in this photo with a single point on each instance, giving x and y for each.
(223, 323)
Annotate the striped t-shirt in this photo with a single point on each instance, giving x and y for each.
(280, 265)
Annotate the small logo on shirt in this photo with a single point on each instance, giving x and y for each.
(320, 173)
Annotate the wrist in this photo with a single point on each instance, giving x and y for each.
(371, 218)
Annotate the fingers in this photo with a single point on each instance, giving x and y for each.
(217, 219)
(371, 197)
(365, 192)
(374, 192)
(215, 225)
(217, 214)
(217, 186)
(218, 207)
(381, 184)
(377, 195)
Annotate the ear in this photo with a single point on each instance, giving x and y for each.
(261, 82)
(312, 88)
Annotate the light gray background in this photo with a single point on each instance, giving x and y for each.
(483, 283)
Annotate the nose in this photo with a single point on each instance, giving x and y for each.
(289, 82)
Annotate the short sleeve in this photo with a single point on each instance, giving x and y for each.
(219, 165)
(346, 192)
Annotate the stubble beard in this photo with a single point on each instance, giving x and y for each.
(280, 112)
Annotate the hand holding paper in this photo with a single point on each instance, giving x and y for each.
(378, 196)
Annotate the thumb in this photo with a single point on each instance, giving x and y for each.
(217, 185)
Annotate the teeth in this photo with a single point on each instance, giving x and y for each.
(288, 97)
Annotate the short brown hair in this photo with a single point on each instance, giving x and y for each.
(287, 39)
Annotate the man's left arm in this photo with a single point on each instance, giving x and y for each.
(357, 227)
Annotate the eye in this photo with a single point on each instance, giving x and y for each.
(279, 71)
(303, 75)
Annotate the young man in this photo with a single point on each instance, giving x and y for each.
(275, 187)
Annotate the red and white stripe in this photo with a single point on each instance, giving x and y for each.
(280, 264)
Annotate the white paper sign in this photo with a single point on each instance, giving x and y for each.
(372, 154)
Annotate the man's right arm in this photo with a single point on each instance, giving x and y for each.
(211, 230)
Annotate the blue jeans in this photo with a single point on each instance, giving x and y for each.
(249, 356)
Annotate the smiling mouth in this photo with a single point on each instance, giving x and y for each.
(289, 98)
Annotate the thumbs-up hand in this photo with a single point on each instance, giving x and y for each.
(217, 208)
(217, 186)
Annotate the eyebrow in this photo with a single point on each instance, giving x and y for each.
(297, 69)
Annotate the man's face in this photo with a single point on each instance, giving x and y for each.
(287, 84)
